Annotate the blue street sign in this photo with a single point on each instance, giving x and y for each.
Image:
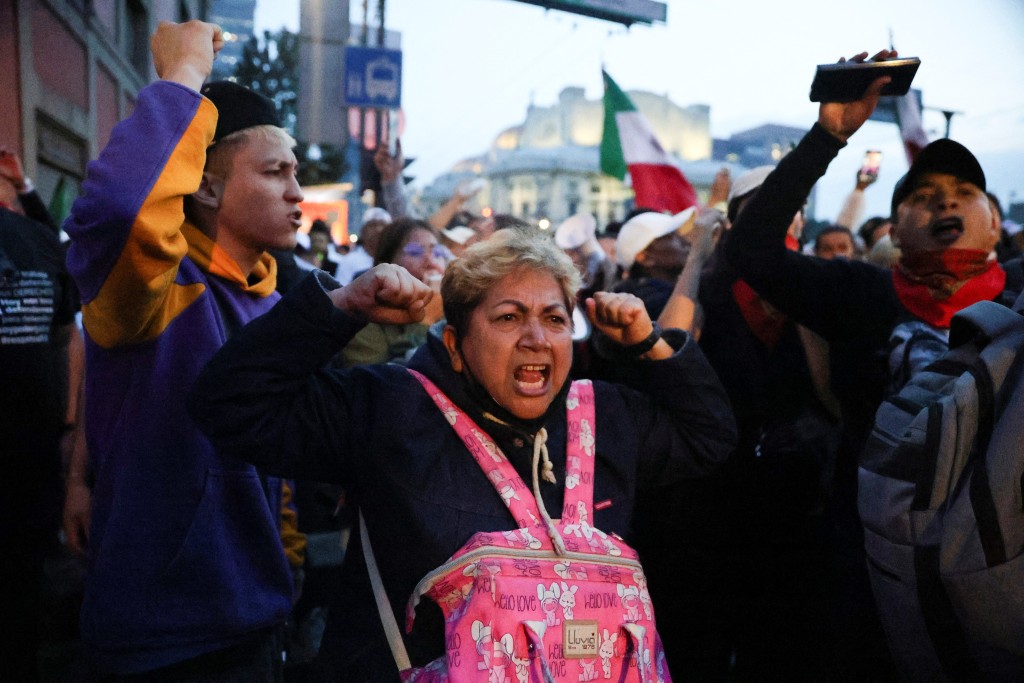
(373, 77)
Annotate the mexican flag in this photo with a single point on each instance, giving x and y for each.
(628, 145)
(908, 116)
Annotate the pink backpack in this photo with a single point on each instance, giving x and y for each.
(554, 600)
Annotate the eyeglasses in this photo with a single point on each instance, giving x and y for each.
(417, 250)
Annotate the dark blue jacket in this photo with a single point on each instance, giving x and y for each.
(266, 397)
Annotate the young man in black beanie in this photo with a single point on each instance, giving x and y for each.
(188, 579)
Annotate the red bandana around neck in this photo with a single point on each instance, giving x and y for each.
(934, 285)
(763, 319)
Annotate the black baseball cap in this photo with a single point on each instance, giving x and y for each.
(942, 156)
(239, 108)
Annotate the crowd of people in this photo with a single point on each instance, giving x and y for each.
(265, 449)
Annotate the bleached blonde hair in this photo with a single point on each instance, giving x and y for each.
(469, 277)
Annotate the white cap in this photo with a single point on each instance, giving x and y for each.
(376, 213)
(459, 234)
(749, 181)
(575, 231)
(640, 230)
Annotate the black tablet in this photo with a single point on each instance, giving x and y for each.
(847, 81)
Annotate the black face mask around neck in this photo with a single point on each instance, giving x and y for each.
(494, 411)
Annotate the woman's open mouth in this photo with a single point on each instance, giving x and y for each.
(532, 379)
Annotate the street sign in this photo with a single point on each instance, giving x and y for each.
(620, 11)
(373, 77)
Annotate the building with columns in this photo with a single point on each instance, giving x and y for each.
(548, 167)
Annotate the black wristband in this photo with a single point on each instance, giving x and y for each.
(640, 348)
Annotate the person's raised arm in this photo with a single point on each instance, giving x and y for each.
(718, 197)
(683, 419)
(385, 294)
(822, 295)
(126, 228)
(682, 310)
(183, 53)
(443, 216)
(624, 320)
(392, 188)
(265, 396)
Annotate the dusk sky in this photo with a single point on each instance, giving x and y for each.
(472, 67)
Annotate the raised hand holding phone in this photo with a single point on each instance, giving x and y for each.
(843, 119)
(869, 168)
(847, 81)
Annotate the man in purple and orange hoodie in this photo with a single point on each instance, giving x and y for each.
(188, 579)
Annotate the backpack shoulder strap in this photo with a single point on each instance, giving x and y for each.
(581, 437)
(988, 318)
(500, 472)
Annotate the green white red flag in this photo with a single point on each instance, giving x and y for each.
(628, 145)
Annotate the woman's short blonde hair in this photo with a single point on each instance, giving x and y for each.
(469, 277)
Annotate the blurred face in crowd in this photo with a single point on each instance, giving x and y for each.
(518, 343)
(579, 259)
(369, 236)
(879, 232)
(945, 212)
(318, 242)
(835, 244)
(421, 255)
(667, 253)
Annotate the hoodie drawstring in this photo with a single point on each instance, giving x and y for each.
(540, 453)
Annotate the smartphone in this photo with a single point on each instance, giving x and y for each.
(847, 81)
(869, 167)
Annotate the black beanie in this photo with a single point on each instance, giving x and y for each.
(239, 108)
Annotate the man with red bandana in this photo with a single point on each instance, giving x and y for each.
(946, 231)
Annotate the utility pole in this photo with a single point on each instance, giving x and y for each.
(948, 114)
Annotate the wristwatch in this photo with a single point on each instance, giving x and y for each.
(640, 348)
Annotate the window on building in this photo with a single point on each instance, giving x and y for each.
(184, 13)
(137, 38)
(61, 166)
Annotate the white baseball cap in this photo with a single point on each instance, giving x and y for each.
(459, 234)
(575, 231)
(640, 230)
(749, 181)
(375, 213)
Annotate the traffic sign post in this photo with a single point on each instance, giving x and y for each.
(373, 77)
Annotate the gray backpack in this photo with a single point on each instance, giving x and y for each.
(940, 497)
